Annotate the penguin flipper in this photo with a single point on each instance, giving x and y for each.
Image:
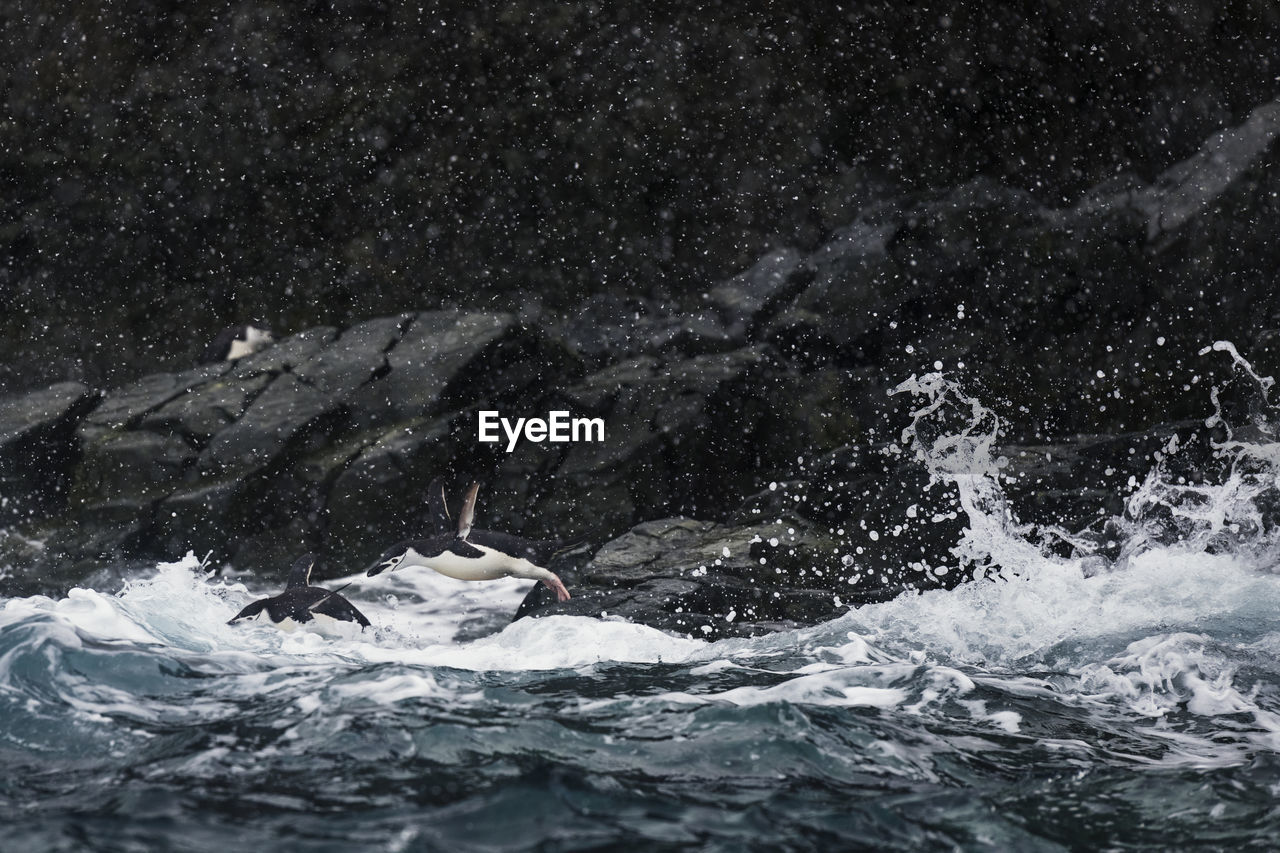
(438, 506)
(300, 573)
(467, 515)
(339, 608)
(350, 610)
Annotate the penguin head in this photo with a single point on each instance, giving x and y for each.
(390, 560)
(255, 612)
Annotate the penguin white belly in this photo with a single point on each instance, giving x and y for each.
(493, 565)
(327, 626)
(319, 623)
(287, 624)
(239, 349)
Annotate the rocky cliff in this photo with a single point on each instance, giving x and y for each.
(747, 474)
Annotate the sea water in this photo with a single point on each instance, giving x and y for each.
(1055, 703)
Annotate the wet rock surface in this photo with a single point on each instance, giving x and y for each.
(38, 448)
(715, 580)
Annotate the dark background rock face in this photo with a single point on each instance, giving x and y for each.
(175, 170)
(727, 234)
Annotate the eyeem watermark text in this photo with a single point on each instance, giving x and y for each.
(556, 428)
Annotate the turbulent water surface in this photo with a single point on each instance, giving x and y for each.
(1056, 703)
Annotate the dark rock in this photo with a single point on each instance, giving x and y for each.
(293, 447)
(894, 525)
(691, 577)
(1189, 188)
(985, 280)
(25, 414)
(889, 531)
(711, 580)
(608, 328)
(1079, 482)
(749, 298)
(38, 448)
(679, 436)
(564, 154)
(763, 410)
(447, 369)
(144, 443)
(298, 400)
(438, 361)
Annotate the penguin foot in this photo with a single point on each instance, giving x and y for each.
(556, 584)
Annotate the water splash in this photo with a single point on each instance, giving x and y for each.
(1213, 495)
(954, 437)
(1198, 549)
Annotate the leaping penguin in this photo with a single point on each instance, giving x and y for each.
(467, 554)
(236, 342)
(301, 603)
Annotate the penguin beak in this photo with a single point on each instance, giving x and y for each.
(381, 566)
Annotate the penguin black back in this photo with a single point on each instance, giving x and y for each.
(469, 554)
(301, 603)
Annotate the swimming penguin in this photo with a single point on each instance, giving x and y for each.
(236, 342)
(467, 554)
(302, 604)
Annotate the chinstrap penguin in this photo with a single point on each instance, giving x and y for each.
(302, 604)
(236, 342)
(467, 554)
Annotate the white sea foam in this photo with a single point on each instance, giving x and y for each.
(1033, 616)
(1105, 635)
(179, 607)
